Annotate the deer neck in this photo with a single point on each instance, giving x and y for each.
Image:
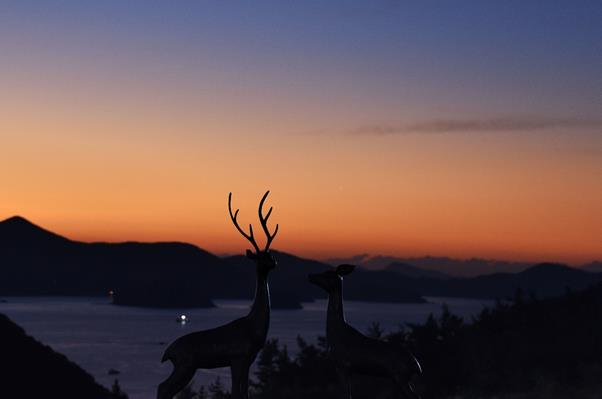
(260, 310)
(335, 315)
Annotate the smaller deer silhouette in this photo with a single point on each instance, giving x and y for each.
(352, 352)
(235, 344)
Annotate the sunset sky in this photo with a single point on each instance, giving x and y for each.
(450, 128)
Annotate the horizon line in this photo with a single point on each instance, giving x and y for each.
(364, 256)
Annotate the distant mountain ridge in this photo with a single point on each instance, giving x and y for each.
(472, 267)
(35, 261)
(414, 272)
(543, 280)
(595, 267)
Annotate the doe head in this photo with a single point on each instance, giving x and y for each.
(262, 257)
(331, 280)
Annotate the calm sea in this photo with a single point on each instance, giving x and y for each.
(99, 336)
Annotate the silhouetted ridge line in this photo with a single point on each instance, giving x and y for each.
(471, 267)
(21, 232)
(34, 261)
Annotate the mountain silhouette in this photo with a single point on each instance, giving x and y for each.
(35, 261)
(38, 262)
(20, 232)
(414, 272)
(452, 267)
(593, 267)
(542, 280)
(167, 274)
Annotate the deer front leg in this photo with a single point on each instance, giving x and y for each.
(239, 369)
(179, 378)
(345, 383)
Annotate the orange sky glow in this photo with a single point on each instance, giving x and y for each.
(334, 194)
(119, 140)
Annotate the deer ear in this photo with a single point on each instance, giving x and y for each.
(343, 270)
(250, 254)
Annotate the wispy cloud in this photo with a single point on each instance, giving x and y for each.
(524, 124)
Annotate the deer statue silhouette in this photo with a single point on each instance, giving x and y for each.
(352, 352)
(235, 344)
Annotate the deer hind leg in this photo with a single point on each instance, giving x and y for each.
(179, 378)
(239, 370)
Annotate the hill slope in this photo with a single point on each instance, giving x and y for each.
(32, 370)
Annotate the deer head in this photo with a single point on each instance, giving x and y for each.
(331, 280)
(263, 258)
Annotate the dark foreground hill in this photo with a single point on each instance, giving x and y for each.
(30, 369)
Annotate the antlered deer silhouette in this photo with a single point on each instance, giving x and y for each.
(235, 344)
(352, 352)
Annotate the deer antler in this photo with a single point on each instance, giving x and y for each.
(264, 222)
(233, 216)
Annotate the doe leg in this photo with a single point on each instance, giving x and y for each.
(239, 370)
(345, 383)
(179, 378)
